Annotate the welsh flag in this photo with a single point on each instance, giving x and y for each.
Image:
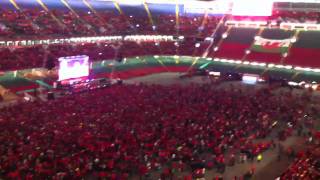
(270, 45)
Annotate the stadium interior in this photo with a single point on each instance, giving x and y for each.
(160, 89)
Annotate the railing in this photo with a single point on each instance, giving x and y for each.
(92, 39)
(284, 25)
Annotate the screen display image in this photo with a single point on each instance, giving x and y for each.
(250, 78)
(73, 67)
(252, 8)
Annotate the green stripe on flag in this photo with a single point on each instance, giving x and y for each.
(259, 48)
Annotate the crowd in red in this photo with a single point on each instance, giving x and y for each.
(285, 16)
(36, 23)
(37, 56)
(100, 134)
(306, 166)
(39, 23)
(297, 17)
(137, 130)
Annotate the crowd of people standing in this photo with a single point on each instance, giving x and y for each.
(135, 130)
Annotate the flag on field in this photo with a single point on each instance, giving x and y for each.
(271, 45)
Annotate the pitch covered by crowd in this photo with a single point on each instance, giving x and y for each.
(136, 130)
(305, 166)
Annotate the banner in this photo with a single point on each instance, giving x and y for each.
(270, 45)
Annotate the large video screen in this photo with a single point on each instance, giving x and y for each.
(73, 67)
(252, 7)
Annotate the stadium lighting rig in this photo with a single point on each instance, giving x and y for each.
(232, 7)
(13, 2)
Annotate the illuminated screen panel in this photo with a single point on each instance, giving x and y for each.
(252, 7)
(73, 67)
(250, 78)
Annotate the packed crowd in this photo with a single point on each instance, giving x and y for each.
(284, 16)
(38, 56)
(297, 17)
(306, 166)
(15, 59)
(38, 23)
(99, 134)
(137, 130)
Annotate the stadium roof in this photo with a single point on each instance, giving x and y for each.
(184, 1)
